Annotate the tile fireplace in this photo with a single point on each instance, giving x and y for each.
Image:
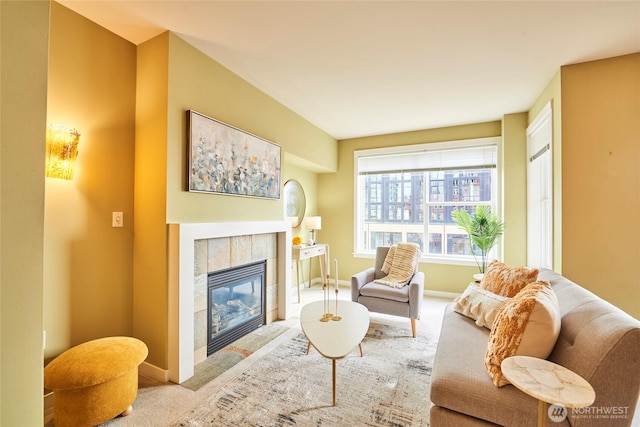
(188, 291)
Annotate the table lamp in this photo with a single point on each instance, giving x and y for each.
(313, 223)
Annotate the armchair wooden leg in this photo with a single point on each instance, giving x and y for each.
(414, 328)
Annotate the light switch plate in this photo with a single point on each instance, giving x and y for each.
(117, 220)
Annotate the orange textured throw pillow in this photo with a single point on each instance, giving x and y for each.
(507, 281)
(526, 325)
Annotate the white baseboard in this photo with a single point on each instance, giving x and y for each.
(441, 294)
(48, 400)
(331, 283)
(346, 284)
(151, 371)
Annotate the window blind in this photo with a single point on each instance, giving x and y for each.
(429, 160)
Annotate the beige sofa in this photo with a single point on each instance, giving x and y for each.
(597, 341)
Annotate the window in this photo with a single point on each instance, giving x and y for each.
(407, 194)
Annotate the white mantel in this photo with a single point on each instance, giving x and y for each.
(182, 239)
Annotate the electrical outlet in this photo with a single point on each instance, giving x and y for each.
(117, 220)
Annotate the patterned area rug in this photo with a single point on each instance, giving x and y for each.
(389, 386)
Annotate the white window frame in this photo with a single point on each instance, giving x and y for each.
(407, 149)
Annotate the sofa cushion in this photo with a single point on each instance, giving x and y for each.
(527, 325)
(505, 280)
(373, 289)
(479, 304)
(459, 380)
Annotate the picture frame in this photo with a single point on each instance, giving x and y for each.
(226, 160)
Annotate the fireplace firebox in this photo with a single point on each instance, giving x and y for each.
(236, 303)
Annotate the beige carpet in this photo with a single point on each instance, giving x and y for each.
(389, 386)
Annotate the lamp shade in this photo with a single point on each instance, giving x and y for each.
(62, 150)
(313, 222)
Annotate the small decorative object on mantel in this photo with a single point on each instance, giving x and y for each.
(484, 230)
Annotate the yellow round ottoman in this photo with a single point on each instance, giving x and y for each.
(95, 381)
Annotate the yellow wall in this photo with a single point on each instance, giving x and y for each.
(199, 83)
(336, 203)
(24, 34)
(514, 184)
(87, 263)
(150, 303)
(601, 178)
(174, 77)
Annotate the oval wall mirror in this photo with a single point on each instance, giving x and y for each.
(295, 203)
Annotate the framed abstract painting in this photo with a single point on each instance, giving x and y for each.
(227, 160)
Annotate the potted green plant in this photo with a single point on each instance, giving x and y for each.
(484, 229)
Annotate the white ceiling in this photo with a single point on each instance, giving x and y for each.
(359, 68)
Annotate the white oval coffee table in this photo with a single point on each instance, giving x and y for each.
(335, 339)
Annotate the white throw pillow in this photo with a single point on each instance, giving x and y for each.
(479, 304)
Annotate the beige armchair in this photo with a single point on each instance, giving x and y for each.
(379, 298)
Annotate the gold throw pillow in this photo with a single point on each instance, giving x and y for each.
(507, 281)
(526, 325)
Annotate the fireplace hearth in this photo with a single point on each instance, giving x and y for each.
(236, 303)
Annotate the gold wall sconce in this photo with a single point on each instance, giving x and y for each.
(62, 151)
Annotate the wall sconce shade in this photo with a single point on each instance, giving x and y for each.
(62, 150)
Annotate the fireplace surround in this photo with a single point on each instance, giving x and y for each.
(182, 259)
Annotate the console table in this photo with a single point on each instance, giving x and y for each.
(299, 253)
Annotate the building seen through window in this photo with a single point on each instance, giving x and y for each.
(416, 205)
(395, 206)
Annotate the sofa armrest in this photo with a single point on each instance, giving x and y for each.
(416, 295)
(358, 280)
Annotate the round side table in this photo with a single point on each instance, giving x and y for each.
(548, 382)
